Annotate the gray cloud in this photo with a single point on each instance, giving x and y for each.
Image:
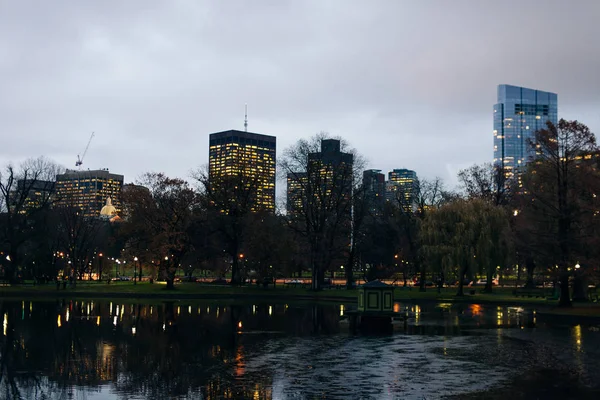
(409, 84)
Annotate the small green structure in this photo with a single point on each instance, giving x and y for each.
(376, 297)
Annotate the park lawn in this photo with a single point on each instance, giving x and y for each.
(502, 295)
(186, 289)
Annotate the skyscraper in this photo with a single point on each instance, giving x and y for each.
(519, 113)
(374, 187)
(401, 188)
(88, 190)
(249, 156)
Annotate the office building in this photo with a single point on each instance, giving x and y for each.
(32, 194)
(246, 156)
(89, 190)
(401, 188)
(374, 190)
(518, 114)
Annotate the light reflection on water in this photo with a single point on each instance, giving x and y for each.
(263, 351)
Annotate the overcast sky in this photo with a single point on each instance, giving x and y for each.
(410, 84)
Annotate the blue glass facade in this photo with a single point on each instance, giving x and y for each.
(519, 113)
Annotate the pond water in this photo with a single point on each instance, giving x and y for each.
(67, 349)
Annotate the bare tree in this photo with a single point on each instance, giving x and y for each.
(560, 197)
(487, 182)
(231, 200)
(25, 191)
(161, 213)
(427, 195)
(324, 173)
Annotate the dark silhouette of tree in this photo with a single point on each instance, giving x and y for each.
(468, 235)
(326, 182)
(161, 215)
(487, 182)
(25, 193)
(231, 203)
(559, 198)
(408, 216)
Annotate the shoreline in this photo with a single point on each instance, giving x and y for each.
(586, 312)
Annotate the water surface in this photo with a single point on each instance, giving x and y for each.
(211, 350)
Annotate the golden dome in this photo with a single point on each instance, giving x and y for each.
(108, 210)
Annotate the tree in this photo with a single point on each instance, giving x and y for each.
(559, 197)
(78, 236)
(487, 182)
(410, 212)
(268, 246)
(324, 173)
(25, 192)
(470, 235)
(231, 202)
(161, 211)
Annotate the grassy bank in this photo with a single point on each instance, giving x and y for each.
(186, 291)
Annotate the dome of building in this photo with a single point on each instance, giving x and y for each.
(108, 210)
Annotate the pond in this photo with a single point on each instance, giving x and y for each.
(67, 349)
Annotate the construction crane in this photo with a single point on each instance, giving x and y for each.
(80, 159)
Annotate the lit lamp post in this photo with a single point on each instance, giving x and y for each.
(99, 267)
(135, 259)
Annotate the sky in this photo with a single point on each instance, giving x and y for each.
(408, 84)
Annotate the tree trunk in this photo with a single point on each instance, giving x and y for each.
(489, 277)
(423, 277)
(170, 283)
(235, 271)
(349, 271)
(530, 265)
(579, 289)
(565, 298)
(461, 279)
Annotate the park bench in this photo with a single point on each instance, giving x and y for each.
(532, 292)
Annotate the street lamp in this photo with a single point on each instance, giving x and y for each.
(577, 266)
(99, 267)
(135, 259)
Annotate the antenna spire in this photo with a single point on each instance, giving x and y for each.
(246, 119)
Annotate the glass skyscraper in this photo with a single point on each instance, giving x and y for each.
(519, 113)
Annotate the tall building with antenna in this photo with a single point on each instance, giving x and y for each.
(248, 157)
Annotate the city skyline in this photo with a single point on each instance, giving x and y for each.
(152, 84)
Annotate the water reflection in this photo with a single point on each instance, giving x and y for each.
(259, 351)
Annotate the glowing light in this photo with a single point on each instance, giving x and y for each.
(115, 321)
(253, 309)
(341, 310)
(164, 327)
(189, 309)
(270, 310)
(67, 316)
(133, 330)
(98, 320)
(240, 325)
(178, 310)
(5, 323)
(58, 323)
(111, 307)
(577, 337)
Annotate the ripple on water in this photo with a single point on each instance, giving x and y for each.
(383, 368)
